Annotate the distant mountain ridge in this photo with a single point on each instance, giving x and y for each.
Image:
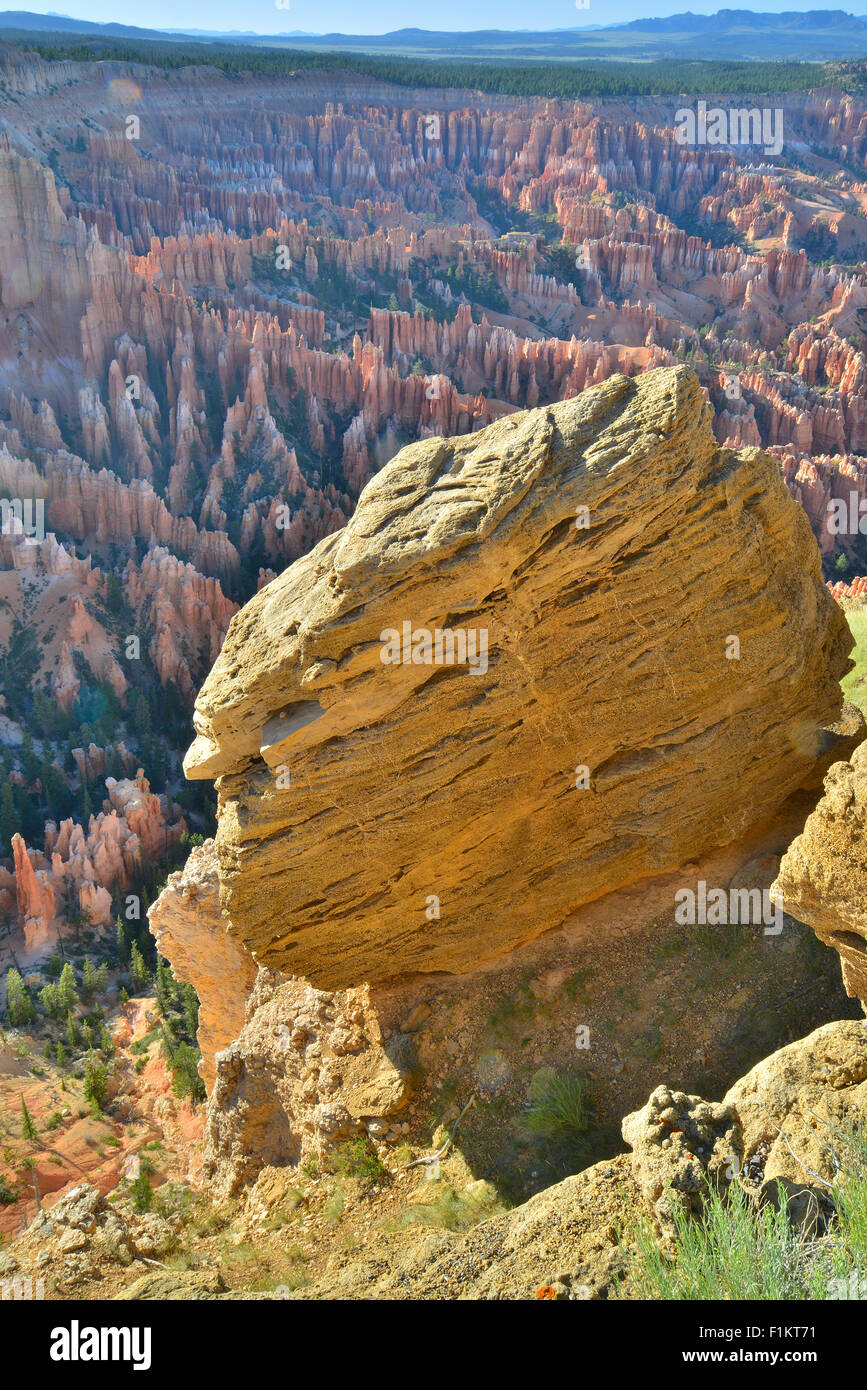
(812, 35)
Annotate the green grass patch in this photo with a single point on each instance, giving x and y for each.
(449, 1209)
(736, 1250)
(854, 685)
(359, 1159)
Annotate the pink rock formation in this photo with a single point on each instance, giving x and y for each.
(134, 828)
(35, 898)
(190, 930)
(188, 612)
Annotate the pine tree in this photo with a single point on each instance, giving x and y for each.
(8, 817)
(164, 983)
(67, 987)
(61, 1054)
(143, 1193)
(87, 981)
(139, 972)
(28, 1128)
(190, 1001)
(29, 758)
(94, 978)
(122, 943)
(51, 1001)
(19, 1005)
(95, 1083)
(73, 1035)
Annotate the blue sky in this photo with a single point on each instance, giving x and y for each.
(379, 16)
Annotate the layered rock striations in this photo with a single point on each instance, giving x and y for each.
(651, 656)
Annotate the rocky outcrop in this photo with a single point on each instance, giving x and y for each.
(787, 1102)
(191, 932)
(309, 1070)
(823, 874)
(573, 1240)
(680, 1143)
(384, 810)
(35, 897)
(791, 1119)
(82, 1237)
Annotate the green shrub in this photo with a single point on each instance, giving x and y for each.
(559, 1106)
(142, 1193)
(359, 1159)
(733, 1251)
(451, 1210)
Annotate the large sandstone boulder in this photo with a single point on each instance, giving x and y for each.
(661, 657)
(823, 874)
(796, 1107)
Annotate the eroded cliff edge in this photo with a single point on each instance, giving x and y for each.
(653, 612)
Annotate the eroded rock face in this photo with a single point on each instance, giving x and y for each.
(679, 1144)
(787, 1102)
(192, 933)
(790, 1119)
(309, 1070)
(377, 819)
(823, 874)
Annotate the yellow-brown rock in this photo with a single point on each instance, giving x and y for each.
(823, 874)
(655, 614)
(191, 932)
